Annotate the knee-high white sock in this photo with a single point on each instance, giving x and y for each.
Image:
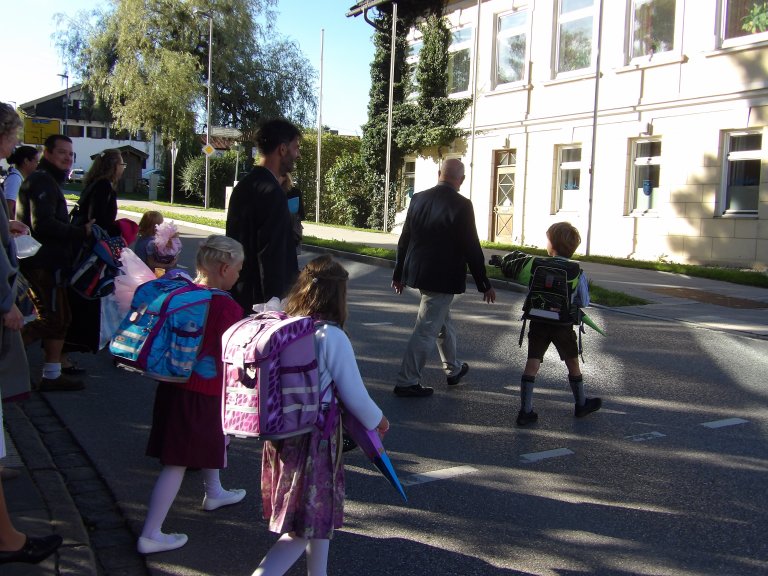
(281, 556)
(212, 482)
(163, 495)
(317, 557)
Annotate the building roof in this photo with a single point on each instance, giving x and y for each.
(72, 89)
(127, 148)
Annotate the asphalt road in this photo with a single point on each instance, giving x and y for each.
(668, 478)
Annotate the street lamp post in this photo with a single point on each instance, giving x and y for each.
(208, 106)
(66, 101)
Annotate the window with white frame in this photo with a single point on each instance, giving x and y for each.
(414, 50)
(646, 172)
(459, 60)
(574, 35)
(653, 27)
(409, 183)
(744, 19)
(567, 195)
(741, 178)
(511, 44)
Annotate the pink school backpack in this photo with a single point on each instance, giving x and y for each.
(271, 386)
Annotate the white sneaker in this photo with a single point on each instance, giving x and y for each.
(170, 542)
(227, 498)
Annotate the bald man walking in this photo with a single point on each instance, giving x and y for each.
(439, 240)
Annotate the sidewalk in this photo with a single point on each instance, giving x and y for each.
(710, 304)
(59, 491)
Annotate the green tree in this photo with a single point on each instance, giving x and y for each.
(347, 201)
(221, 173)
(404, 140)
(147, 61)
(305, 174)
(431, 121)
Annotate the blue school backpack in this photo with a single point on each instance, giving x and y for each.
(162, 334)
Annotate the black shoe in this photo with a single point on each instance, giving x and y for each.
(60, 384)
(73, 370)
(34, 550)
(415, 391)
(525, 418)
(590, 405)
(453, 380)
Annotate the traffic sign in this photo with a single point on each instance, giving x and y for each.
(208, 149)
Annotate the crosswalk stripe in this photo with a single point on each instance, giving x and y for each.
(443, 474)
(645, 436)
(538, 456)
(725, 422)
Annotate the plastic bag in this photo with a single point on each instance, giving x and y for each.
(135, 273)
(26, 246)
(110, 319)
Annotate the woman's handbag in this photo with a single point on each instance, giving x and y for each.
(14, 368)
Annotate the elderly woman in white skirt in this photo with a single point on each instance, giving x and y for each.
(14, 545)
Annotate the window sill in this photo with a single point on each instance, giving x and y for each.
(739, 215)
(658, 60)
(736, 45)
(508, 88)
(650, 213)
(566, 79)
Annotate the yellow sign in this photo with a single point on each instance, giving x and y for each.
(208, 149)
(36, 130)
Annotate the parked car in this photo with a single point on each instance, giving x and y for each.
(147, 173)
(77, 175)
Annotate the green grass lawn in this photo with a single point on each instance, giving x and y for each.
(598, 294)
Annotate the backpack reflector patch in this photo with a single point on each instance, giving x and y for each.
(271, 386)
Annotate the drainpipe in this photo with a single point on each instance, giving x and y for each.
(474, 102)
(594, 129)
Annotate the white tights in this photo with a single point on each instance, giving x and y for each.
(288, 549)
(165, 491)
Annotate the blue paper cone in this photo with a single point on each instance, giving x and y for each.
(370, 443)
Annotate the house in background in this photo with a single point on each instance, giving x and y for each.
(91, 131)
(646, 129)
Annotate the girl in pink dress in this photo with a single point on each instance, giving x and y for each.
(302, 478)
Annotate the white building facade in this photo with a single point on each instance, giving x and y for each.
(662, 155)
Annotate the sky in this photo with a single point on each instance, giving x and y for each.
(31, 63)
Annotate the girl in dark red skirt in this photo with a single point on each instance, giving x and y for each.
(186, 421)
(302, 477)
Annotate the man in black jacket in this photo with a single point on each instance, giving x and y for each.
(43, 208)
(438, 241)
(258, 217)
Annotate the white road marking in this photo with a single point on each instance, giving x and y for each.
(443, 474)
(537, 456)
(645, 436)
(377, 323)
(726, 422)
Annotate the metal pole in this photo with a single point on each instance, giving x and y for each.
(319, 128)
(208, 121)
(389, 115)
(173, 165)
(594, 130)
(66, 102)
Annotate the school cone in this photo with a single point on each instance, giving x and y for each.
(591, 323)
(370, 443)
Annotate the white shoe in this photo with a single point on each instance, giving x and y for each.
(227, 498)
(151, 546)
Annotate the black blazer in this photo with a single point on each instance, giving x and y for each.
(438, 241)
(259, 219)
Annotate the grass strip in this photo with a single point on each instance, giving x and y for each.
(733, 275)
